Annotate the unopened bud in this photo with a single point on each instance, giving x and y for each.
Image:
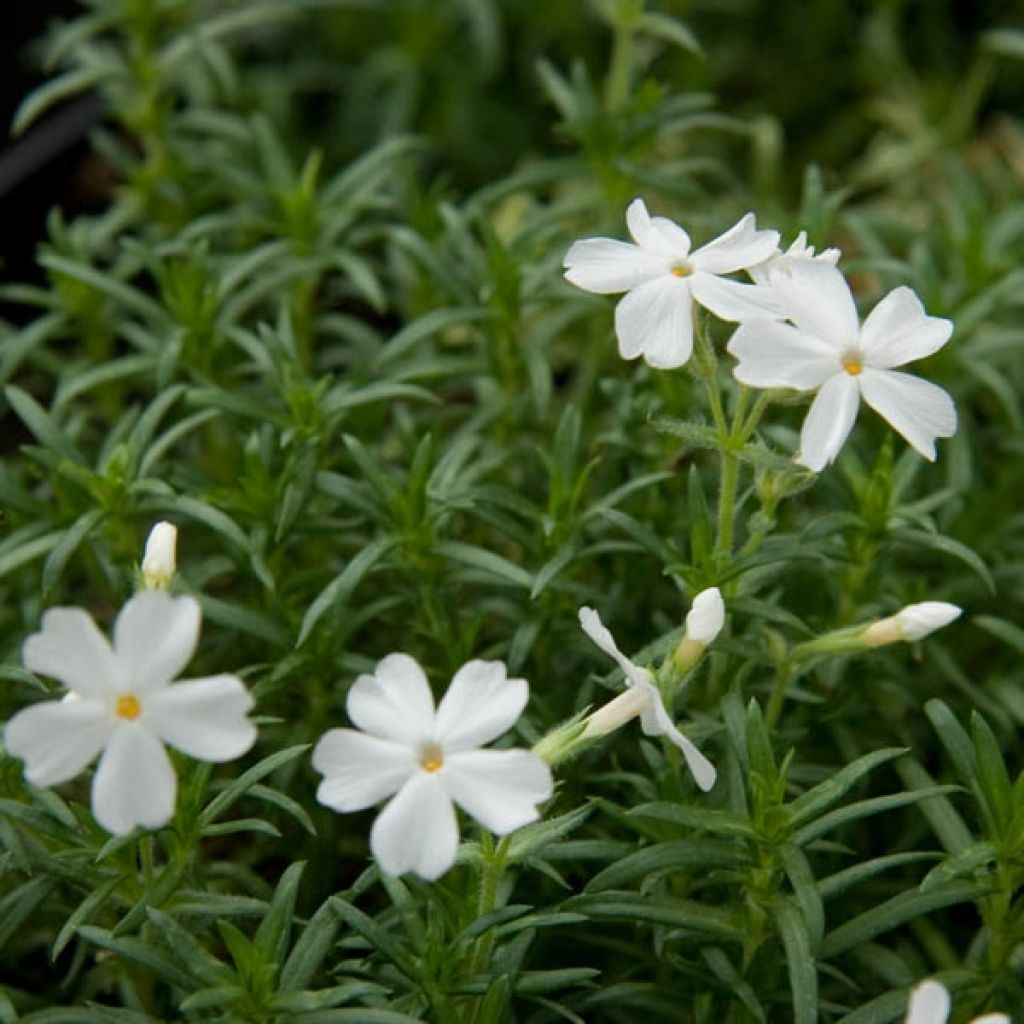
(703, 623)
(158, 561)
(914, 622)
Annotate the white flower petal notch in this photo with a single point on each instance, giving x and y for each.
(123, 705)
(642, 698)
(424, 761)
(662, 280)
(930, 1004)
(824, 349)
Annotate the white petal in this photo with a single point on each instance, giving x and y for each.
(916, 621)
(480, 705)
(929, 1003)
(656, 321)
(829, 421)
(706, 616)
(601, 635)
(740, 247)
(604, 265)
(992, 1018)
(500, 788)
(417, 830)
(204, 718)
(733, 301)
(658, 235)
(155, 637)
(915, 408)
(395, 703)
(135, 783)
(777, 355)
(70, 648)
(57, 739)
(898, 331)
(815, 296)
(656, 721)
(359, 770)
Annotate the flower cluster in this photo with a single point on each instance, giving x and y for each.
(798, 325)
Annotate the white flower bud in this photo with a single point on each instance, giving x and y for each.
(706, 617)
(158, 561)
(914, 622)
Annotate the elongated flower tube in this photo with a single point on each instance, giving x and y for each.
(662, 280)
(642, 699)
(930, 1004)
(122, 704)
(426, 760)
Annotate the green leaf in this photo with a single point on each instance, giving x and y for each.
(696, 918)
(810, 804)
(898, 911)
(271, 938)
(494, 567)
(239, 787)
(803, 974)
(311, 948)
(680, 855)
(344, 583)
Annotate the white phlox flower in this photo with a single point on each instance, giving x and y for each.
(158, 559)
(662, 279)
(797, 253)
(824, 349)
(912, 622)
(930, 1004)
(122, 703)
(425, 759)
(641, 698)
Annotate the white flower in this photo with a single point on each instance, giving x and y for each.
(641, 698)
(425, 758)
(706, 617)
(930, 1004)
(158, 561)
(662, 279)
(794, 256)
(828, 352)
(121, 703)
(914, 622)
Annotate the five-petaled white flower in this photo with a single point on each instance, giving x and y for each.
(641, 698)
(662, 279)
(120, 702)
(930, 1004)
(825, 350)
(797, 254)
(425, 758)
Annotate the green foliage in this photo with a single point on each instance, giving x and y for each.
(320, 325)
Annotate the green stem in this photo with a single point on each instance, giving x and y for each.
(620, 73)
(487, 899)
(730, 475)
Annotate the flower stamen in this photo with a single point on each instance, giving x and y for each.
(852, 365)
(128, 706)
(680, 270)
(431, 758)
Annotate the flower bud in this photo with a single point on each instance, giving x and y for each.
(914, 622)
(703, 623)
(158, 561)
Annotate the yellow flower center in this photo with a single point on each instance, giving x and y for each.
(431, 758)
(680, 270)
(852, 365)
(128, 706)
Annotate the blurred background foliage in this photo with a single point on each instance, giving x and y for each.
(300, 293)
